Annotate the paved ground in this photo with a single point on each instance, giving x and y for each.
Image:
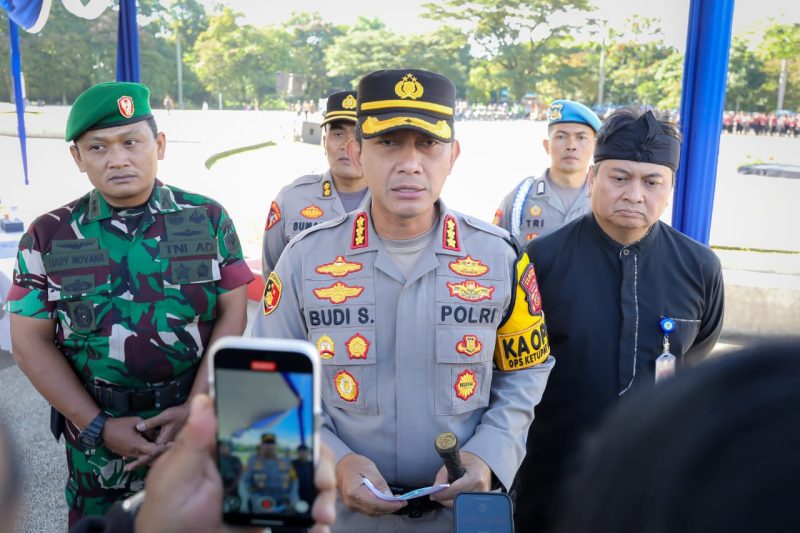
(752, 212)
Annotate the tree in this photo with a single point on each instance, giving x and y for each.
(746, 77)
(516, 34)
(311, 36)
(781, 48)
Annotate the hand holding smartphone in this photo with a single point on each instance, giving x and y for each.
(266, 393)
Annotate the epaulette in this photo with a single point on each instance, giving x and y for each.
(494, 230)
(307, 179)
(332, 223)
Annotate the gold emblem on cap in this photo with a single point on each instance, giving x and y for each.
(555, 112)
(349, 102)
(409, 87)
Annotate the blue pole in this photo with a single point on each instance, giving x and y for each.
(127, 43)
(16, 74)
(702, 105)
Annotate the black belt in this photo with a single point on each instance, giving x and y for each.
(416, 507)
(126, 400)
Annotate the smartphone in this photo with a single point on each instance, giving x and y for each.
(266, 393)
(483, 512)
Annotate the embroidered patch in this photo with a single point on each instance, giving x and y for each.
(409, 87)
(325, 347)
(125, 105)
(346, 385)
(272, 293)
(338, 292)
(465, 384)
(450, 239)
(349, 102)
(469, 345)
(467, 266)
(312, 211)
(536, 210)
(357, 346)
(360, 231)
(338, 268)
(498, 217)
(531, 236)
(470, 291)
(531, 289)
(273, 217)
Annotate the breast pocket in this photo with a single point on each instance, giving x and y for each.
(83, 300)
(349, 357)
(683, 336)
(189, 288)
(463, 368)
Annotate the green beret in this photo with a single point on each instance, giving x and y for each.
(341, 106)
(106, 105)
(389, 100)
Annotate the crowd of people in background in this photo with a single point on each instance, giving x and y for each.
(780, 123)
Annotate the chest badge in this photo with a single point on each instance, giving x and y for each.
(467, 266)
(357, 346)
(346, 386)
(536, 210)
(469, 345)
(312, 212)
(338, 268)
(273, 217)
(470, 291)
(325, 347)
(338, 292)
(465, 384)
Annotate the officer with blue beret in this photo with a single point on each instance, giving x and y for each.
(538, 206)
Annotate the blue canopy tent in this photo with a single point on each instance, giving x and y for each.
(32, 15)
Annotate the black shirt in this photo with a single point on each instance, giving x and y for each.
(603, 303)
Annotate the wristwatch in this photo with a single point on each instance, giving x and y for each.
(91, 436)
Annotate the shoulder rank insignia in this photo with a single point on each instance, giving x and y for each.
(540, 188)
(357, 346)
(360, 231)
(312, 211)
(498, 217)
(409, 87)
(325, 347)
(467, 266)
(470, 291)
(272, 293)
(450, 240)
(338, 268)
(338, 293)
(469, 345)
(465, 384)
(326, 188)
(536, 210)
(349, 102)
(531, 289)
(346, 386)
(273, 217)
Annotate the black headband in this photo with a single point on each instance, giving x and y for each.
(642, 140)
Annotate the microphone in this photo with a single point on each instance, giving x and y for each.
(446, 444)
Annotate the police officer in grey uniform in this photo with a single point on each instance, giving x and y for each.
(539, 206)
(315, 198)
(425, 319)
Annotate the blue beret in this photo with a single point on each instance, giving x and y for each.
(568, 111)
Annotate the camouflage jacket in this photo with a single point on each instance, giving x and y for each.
(133, 291)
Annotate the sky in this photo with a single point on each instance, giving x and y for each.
(403, 17)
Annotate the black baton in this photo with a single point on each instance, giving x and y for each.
(447, 446)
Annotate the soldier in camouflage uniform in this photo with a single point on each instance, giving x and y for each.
(315, 198)
(116, 296)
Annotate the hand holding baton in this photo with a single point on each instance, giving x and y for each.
(447, 446)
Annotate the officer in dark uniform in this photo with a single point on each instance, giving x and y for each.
(116, 296)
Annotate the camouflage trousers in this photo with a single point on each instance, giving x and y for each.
(96, 481)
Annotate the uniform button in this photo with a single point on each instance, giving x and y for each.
(626, 252)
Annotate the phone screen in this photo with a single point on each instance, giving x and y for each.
(483, 512)
(265, 436)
